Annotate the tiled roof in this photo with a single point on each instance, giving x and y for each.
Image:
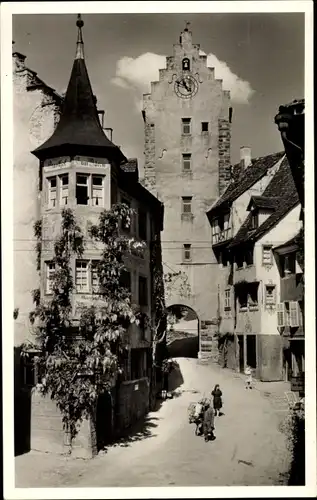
(246, 179)
(281, 186)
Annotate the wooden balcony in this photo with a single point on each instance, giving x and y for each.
(221, 236)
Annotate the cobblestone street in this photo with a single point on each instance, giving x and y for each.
(249, 449)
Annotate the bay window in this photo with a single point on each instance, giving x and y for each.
(63, 187)
(97, 190)
(90, 187)
(82, 189)
(52, 191)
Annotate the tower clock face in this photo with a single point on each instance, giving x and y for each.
(186, 86)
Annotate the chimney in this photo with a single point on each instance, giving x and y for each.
(245, 156)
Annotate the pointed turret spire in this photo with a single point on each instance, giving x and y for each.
(79, 131)
(80, 43)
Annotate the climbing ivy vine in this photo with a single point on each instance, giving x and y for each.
(81, 351)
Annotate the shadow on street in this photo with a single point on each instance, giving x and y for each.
(184, 348)
(143, 429)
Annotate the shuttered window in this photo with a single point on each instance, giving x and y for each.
(280, 310)
(294, 314)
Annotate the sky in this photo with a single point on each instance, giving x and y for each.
(259, 56)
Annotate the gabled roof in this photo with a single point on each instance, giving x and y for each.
(79, 129)
(247, 178)
(263, 202)
(281, 186)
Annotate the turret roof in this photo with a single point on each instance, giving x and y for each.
(79, 130)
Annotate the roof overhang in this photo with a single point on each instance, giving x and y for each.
(222, 244)
(285, 249)
(213, 212)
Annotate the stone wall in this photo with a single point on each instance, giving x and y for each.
(47, 434)
(132, 403)
(224, 140)
(149, 152)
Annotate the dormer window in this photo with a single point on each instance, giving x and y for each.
(254, 220)
(186, 64)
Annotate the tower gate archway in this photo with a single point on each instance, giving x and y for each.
(183, 331)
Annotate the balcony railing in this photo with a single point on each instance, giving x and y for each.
(223, 235)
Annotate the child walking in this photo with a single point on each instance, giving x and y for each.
(248, 380)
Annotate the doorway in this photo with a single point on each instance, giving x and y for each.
(104, 421)
(241, 352)
(251, 351)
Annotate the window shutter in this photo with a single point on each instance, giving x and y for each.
(280, 315)
(294, 314)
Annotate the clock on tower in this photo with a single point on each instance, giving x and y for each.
(186, 86)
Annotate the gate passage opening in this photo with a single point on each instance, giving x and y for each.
(182, 332)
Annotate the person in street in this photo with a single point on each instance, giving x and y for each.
(209, 422)
(248, 380)
(217, 399)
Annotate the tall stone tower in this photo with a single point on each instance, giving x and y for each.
(187, 165)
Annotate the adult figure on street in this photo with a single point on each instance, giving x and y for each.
(217, 399)
(209, 423)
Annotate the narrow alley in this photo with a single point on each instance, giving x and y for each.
(249, 449)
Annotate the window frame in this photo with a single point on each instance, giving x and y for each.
(63, 188)
(253, 301)
(227, 300)
(88, 288)
(243, 306)
(202, 127)
(81, 185)
(48, 279)
(186, 122)
(97, 188)
(267, 248)
(287, 269)
(273, 302)
(91, 188)
(51, 190)
(187, 201)
(187, 248)
(186, 159)
(95, 288)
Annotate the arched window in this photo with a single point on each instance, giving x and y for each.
(186, 64)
